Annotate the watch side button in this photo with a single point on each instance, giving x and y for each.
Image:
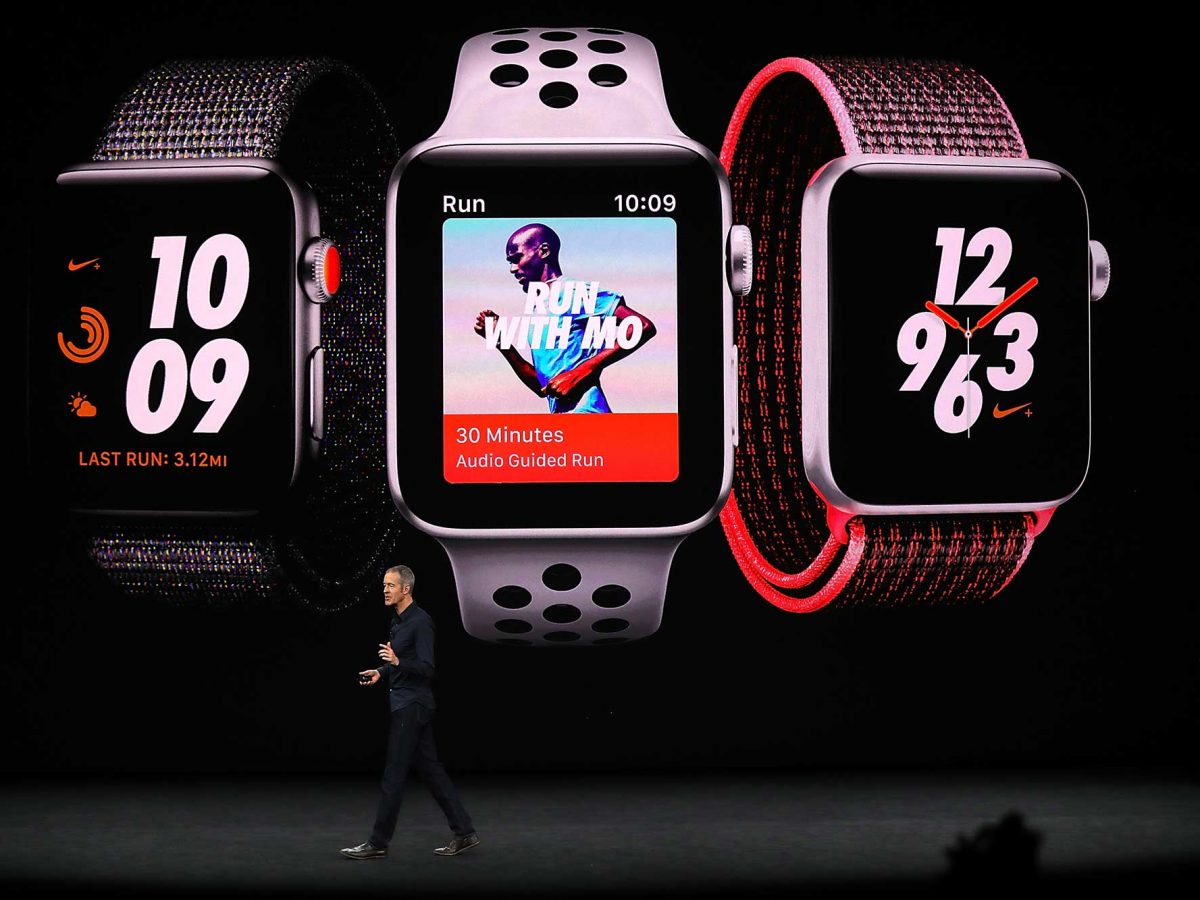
(733, 396)
(1101, 269)
(316, 393)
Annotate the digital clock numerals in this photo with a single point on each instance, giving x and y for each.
(651, 203)
(924, 336)
(217, 374)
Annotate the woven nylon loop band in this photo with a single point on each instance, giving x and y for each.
(326, 126)
(795, 116)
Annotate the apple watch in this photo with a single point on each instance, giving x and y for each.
(560, 351)
(919, 402)
(206, 337)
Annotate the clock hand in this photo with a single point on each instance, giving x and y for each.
(1008, 301)
(943, 315)
(967, 399)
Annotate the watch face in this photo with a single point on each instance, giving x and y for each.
(958, 304)
(576, 297)
(162, 341)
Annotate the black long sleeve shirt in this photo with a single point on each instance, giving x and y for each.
(410, 679)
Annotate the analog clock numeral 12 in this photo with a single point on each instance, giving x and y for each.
(983, 290)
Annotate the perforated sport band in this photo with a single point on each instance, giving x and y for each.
(795, 116)
(538, 85)
(546, 83)
(323, 122)
(597, 591)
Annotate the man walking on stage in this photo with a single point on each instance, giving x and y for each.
(408, 672)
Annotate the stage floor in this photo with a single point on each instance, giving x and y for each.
(821, 832)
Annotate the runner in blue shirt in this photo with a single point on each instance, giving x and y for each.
(567, 376)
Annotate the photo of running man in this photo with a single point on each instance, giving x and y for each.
(567, 376)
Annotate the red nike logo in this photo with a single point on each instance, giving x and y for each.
(1001, 413)
(75, 267)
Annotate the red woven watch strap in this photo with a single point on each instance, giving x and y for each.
(795, 116)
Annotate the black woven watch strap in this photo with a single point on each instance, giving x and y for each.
(325, 125)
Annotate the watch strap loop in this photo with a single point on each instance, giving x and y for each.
(795, 116)
(323, 122)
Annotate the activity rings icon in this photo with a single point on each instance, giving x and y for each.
(95, 326)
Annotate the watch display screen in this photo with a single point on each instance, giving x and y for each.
(560, 356)
(579, 307)
(958, 329)
(161, 343)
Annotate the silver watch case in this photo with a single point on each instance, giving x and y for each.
(560, 148)
(814, 250)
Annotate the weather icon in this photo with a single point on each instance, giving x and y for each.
(81, 406)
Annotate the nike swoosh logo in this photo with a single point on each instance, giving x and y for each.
(75, 267)
(1001, 413)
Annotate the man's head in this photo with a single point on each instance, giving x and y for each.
(398, 584)
(532, 253)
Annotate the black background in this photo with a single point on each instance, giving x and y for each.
(1089, 656)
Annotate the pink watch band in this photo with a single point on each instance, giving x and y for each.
(534, 86)
(794, 116)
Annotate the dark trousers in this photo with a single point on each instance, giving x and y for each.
(410, 745)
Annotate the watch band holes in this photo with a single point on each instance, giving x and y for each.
(513, 626)
(509, 76)
(606, 46)
(509, 46)
(561, 577)
(607, 75)
(559, 94)
(561, 613)
(512, 596)
(558, 59)
(610, 596)
(558, 36)
(608, 626)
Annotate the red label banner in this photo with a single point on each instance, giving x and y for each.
(542, 447)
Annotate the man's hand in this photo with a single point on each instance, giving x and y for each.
(570, 384)
(483, 316)
(387, 654)
(370, 676)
